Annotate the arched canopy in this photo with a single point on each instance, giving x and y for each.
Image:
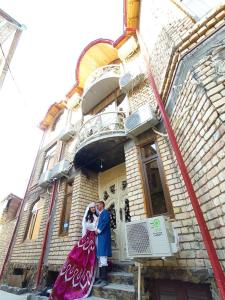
(98, 53)
(51, 114)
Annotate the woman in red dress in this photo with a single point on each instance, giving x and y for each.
(76, 278)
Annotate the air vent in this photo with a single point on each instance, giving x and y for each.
(141, 120)
(45, 179)
(130, 80)
(61, 169)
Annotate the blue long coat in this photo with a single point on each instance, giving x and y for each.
(104, 247)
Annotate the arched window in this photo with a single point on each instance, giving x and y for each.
(35, 219)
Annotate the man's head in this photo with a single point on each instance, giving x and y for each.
(100, 205)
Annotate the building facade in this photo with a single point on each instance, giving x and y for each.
(89, 150)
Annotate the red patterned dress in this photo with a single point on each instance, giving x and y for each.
(77, 275)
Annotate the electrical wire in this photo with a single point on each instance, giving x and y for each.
(10, 71)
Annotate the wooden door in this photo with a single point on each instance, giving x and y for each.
(113, 190)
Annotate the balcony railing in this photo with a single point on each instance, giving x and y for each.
(100, 73)
(100, 126)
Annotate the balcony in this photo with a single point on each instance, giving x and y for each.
(100, 142)
(101, 83)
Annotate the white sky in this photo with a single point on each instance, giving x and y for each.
(44, 71)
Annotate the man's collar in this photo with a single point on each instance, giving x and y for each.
(101, 211)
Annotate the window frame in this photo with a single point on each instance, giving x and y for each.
(32, 220)
(62, 231)
(147, 194)
(47, 158)
(56, 121)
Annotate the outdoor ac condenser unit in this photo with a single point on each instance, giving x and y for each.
(61, 169)
(67, 133)
(154, 237)
(45, 179)
(130, 80)
(141, 120)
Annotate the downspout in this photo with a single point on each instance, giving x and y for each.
(44, 244)
(217, 269)
(20, 211)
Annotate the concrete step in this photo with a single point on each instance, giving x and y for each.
(115, 291)
(124, 266)
(121, 277)
(96, 298)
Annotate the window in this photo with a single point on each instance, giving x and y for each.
(57, 122)
(35, 219)
(199, 8)
(49, 158)
(155, 187)
(65, 217)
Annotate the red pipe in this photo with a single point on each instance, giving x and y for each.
(217, 269)
(54, 188)
(40, 263)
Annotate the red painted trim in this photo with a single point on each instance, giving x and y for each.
(131, 30)
(119, 40)
(124, 14)
(217, 269)
(45, 240)
(91, 44)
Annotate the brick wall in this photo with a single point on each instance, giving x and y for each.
(26, 250)
(198, 122)
(85, 190)
(134, 182)
(162, 27)
(6, 231)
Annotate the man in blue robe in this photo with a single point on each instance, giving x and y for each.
(104, 249)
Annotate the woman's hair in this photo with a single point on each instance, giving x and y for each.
(90, 216)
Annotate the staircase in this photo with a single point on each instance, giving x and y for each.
(121, 283)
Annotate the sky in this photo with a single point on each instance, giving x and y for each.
(43, 70)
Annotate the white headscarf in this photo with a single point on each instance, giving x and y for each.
(92, 204)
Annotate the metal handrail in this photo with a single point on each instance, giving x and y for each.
(100, 124)
(100, 72)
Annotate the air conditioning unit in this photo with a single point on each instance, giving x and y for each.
(130, 80)
(61, 169)
(67, 133)
(141, 120)
(154, 237)
(45, 179)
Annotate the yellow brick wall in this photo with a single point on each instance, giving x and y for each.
(85, 190)
(134, 182)
(6, 232)
(24, 250)
(162, 27)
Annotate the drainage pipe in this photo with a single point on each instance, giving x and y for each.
(45, 240)
(217, 269)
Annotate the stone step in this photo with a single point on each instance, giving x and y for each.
(115, 291)
(96, 298)
(124, 266)
(121, 277)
